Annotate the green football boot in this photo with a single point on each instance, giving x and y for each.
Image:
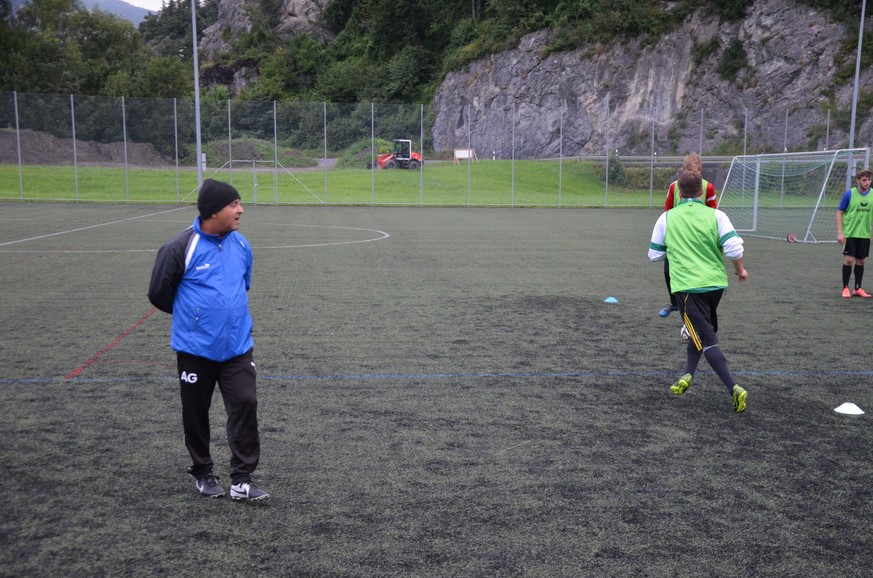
(739, 397)
(683, 384)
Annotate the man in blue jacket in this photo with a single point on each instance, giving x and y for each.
(201, 276)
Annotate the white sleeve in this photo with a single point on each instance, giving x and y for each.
(657, 248)
(731, 242)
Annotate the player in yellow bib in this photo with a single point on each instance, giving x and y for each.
(854, 216)
(695, 239)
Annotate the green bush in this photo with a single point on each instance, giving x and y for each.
(733, 59)
(359, 154)
(700, 52)
(640, 177)
(254, 150)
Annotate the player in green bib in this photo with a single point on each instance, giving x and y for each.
(695, 238)
(691, 163)
(854, 216)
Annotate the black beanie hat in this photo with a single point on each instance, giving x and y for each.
(214, 196)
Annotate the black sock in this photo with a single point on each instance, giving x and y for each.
(859, 275)
(847, 274)
(718, 362)
(692, 358)
(667, 279)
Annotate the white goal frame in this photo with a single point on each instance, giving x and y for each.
(775, 195)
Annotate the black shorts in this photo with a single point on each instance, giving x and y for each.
(700, 313)
(856, 247)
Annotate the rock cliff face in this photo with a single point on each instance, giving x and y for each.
(558, 103)
(233, 20)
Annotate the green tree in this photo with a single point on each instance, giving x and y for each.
(58, 46)
(32, 63)
(350, 80)
(290, 71)
(166, 77)
(46, 16)
(168, 31)
(35, 58)
(105, 45)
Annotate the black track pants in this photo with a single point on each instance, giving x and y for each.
(236, 379)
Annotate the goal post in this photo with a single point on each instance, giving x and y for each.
(774, 195)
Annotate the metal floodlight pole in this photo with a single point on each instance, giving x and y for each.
(199, 148)
(606, 179)
(857, 76)
(421, 150)
(851, 168)
(561, 159)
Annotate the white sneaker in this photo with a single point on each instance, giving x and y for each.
(247, 491)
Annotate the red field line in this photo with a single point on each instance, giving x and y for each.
(117, 340)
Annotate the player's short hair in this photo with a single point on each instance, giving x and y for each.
(865, 173)
(692, 163)
(690, 185)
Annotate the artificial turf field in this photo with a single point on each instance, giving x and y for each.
(443, 392)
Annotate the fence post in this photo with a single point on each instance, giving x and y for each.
(784, 158)
(828, 132)
(75, 156)
(469, 147)
(124, 140)
(254, 182)
(176, 144)
(229, 145)
(18, 146)
(652, 162)
(275, 156)
(512, 174)
(324, 109)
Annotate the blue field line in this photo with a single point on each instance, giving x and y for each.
(539, 375)
(419, 376)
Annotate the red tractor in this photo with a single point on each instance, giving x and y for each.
(403, 157)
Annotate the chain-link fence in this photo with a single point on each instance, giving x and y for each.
(108, 149)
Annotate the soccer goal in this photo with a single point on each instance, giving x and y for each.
(776, 195)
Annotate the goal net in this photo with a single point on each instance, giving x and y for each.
(775, 195)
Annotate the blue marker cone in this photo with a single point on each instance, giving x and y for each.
(610, 300)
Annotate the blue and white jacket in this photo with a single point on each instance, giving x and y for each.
(203, 281)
